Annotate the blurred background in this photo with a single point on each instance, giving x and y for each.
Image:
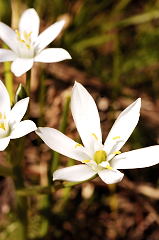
(114, 46)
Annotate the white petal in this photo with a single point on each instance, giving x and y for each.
(7, 55)
(110, 176)
(18, 111)
(52, 55)
(123, 127)
(85, 115)
(47, 36)
(77, 173)
(8, 36)
(29, 23)
(21, 65)
(4, 143)
(4, 99)
(140, 158)
(60, 143)
(23, 128)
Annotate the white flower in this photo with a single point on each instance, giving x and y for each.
(102, 159)
(27, 47)
(11, 126)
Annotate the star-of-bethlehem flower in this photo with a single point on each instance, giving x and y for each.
(95, 157)
(11, 126)
(27, 47)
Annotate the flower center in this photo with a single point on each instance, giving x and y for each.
(100, 156)
(24, 38)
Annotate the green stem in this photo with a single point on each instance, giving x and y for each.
(15, 159)
(16, 148)
(9, 80)
(21, 202)
(28, 82)
(42, 98)
(8, 76)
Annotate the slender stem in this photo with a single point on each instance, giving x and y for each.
(21, 201)
(64, 118)
(28, 82)
(15, 159)
(16, 149)
(42, 98)
(9, 80)
(16, 10)
(112, 200)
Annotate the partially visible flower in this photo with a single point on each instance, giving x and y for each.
(11, 126)
(27, 47)
(97, 158)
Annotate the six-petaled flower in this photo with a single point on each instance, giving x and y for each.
(27, 46)
(95, 157)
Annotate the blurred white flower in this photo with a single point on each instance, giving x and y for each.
(102, 159)
(11, 126)
(27, 47)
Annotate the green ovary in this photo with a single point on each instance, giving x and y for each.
(100, 156)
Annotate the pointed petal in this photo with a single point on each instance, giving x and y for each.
(52, 55)
(21, 65)
(62, 144)
(7, 55)
(140, 158)
(4, 143)
(110, 176)
(77, 173)
(18, 111)
(29, 23)
(23, 128)
(47, 36)
(123, 127)
(85, 115)
(8, 36)
(4, 99)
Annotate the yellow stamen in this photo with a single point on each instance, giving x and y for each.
(117, 137)
(18, 33)
(86, 161)
(109, 167)
(1, 116)
(26, 40)
(26, 35)
(95, 136)
(2, 126)
(78, 145)
(116, 152)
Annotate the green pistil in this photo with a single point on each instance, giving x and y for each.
(100, 156)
